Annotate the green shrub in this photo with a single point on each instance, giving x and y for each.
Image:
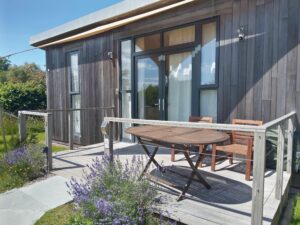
(296, 212)
(22, 96)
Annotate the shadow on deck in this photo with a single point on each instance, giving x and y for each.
(227, 202)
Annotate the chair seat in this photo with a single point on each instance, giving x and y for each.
(233, 148)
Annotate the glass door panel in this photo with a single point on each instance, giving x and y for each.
(148, 87)
(179, 86)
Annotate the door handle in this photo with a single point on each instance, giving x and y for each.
(159, 104)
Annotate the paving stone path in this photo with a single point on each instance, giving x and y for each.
(24, 206)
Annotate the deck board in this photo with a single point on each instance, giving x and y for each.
(227, 202)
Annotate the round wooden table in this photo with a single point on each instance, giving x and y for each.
(181, 138)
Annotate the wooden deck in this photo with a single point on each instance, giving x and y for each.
(228, 202)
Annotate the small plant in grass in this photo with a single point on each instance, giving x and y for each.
(112, 193)
(296, 212)
(21, 165)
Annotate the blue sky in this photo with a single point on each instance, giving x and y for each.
(20, 19)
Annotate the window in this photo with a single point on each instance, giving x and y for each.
(179, 36)
(208, 54)
(148, 42)
(208, 103)
(208, 97)
(74, 85)
(126, 84)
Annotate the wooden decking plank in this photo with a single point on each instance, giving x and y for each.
(200, 210)
(214, 206)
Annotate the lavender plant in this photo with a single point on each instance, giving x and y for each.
(112, 193)
(27, 162)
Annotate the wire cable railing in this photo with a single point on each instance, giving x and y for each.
(285, 130)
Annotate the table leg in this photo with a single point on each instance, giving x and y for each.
(194, 172)
(161, 169)
(149, 162)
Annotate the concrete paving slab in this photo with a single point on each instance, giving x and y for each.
(17, 200)
(52, 192)
(19, 217)
(24, 206)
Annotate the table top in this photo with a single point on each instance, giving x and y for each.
(178, 135)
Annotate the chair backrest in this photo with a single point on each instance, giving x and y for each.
(240, 137)
(205, 119)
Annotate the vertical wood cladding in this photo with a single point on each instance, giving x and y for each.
(259, 77)
(97, 85)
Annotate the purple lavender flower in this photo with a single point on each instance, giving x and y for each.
(104, 207)
(80, 191)
(15, 156)
(111, 193)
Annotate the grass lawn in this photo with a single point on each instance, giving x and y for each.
(41, 140)
(296, 212)
(58, 216)
(55, 148)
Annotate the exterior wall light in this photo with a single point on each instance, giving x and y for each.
(110, 55)
(241, 33)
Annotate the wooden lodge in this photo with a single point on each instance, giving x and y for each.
(169, 59)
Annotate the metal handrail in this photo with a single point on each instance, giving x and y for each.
(278, 120)
(213, 126)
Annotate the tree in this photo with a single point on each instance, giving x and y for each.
(27, 72)
(21, 87)
(4, 64)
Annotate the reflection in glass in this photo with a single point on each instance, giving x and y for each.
(74, 73)
(76, 114)
(126, 84)
(126, 64)
(208, 54)
(208, 103)
(180, 85)
(147, 42)
(179, 36)
(148, 91)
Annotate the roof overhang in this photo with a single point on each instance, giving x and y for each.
(115, 16)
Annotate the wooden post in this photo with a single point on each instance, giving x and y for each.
(22, 127)
(289, 166)
(111, 139)
(107, 131)
(3, 129)
(71, 130)
(279, 164)
(48, 132)
(259, 164)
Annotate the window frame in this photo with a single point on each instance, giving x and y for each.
(196, 61)
(69, 79)
(69, 72)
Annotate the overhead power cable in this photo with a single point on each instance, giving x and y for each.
(16, 53)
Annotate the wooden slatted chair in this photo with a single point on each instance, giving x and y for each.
(201, 119)
(241, 144)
